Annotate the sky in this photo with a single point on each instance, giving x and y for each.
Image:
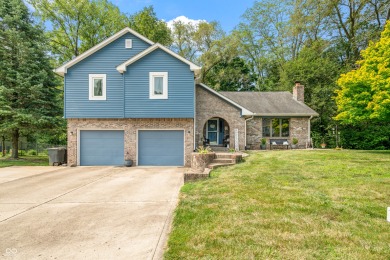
(227, 12)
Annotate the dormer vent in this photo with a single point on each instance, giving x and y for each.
(129, 44)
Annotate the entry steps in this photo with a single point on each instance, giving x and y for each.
(222, 159)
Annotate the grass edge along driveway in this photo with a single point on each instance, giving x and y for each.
(310, 204)
(33, 160)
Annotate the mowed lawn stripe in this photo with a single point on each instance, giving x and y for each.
(298, 204)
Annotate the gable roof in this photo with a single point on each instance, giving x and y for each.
(244, 111)
(122, 68)
(270, 103)
(63, 69)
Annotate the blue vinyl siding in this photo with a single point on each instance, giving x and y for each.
(101, 147)
(104, 61)
(180, 102)
(161, 148)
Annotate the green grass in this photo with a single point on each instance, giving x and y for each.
(25, 161)
(317, 204)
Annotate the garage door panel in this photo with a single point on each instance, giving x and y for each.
(105, 147)
(170, 150)
(161, 147)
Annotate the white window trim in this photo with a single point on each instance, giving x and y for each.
(91, 78)
(128, 43)
(165, 85)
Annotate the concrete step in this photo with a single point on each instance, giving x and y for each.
(223, 160)
(219, 149)
(216, 165)
(223, 155)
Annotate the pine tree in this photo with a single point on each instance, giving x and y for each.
(28, 93)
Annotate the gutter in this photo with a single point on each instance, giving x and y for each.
(286, 115)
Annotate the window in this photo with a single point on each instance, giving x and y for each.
(158, 83)
(128, 44)
(97, 86)
(276, 127)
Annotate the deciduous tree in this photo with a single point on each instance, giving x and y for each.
(146, 23)
(364, 93)
(78, 25)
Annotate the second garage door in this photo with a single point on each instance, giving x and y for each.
(101, 147)
(161, 147)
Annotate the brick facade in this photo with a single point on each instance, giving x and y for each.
(130, 127)
(208, 106)
(254, 133)
(298, 129)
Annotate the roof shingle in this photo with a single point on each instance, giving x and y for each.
(270, 103)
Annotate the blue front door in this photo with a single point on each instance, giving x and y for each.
(212, 131)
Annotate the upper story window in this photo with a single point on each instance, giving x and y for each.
(97, 86)
(158, 85)
(276, 127)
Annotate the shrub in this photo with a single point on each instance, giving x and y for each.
(203, 150)
(31, 152)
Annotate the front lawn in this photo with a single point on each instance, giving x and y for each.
(313, 204)
(25, 161)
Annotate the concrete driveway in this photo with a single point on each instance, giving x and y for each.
(86, 212)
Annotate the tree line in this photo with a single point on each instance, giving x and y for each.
(317, 42)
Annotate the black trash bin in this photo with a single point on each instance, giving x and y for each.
(57, 156)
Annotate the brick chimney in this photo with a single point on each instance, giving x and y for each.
(299, 92)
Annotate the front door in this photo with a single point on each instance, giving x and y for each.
(212, 131)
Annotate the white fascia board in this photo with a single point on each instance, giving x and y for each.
(286, 115)
(244, 111)
(122, 68)
(63, 69)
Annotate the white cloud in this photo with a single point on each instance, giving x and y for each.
(185, 20)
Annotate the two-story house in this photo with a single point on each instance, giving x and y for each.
(128, 98)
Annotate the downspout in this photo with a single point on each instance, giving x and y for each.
(247, 119)
(309, 130)
(124, 95)
(194, 133)
(65, 96)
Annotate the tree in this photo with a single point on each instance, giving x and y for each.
(192, 41)
(230, 75)
(353, 23)
(78, 25)
(273, 33)
(146, 23)
(183, 40)
(27, 84)
(364, 93)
